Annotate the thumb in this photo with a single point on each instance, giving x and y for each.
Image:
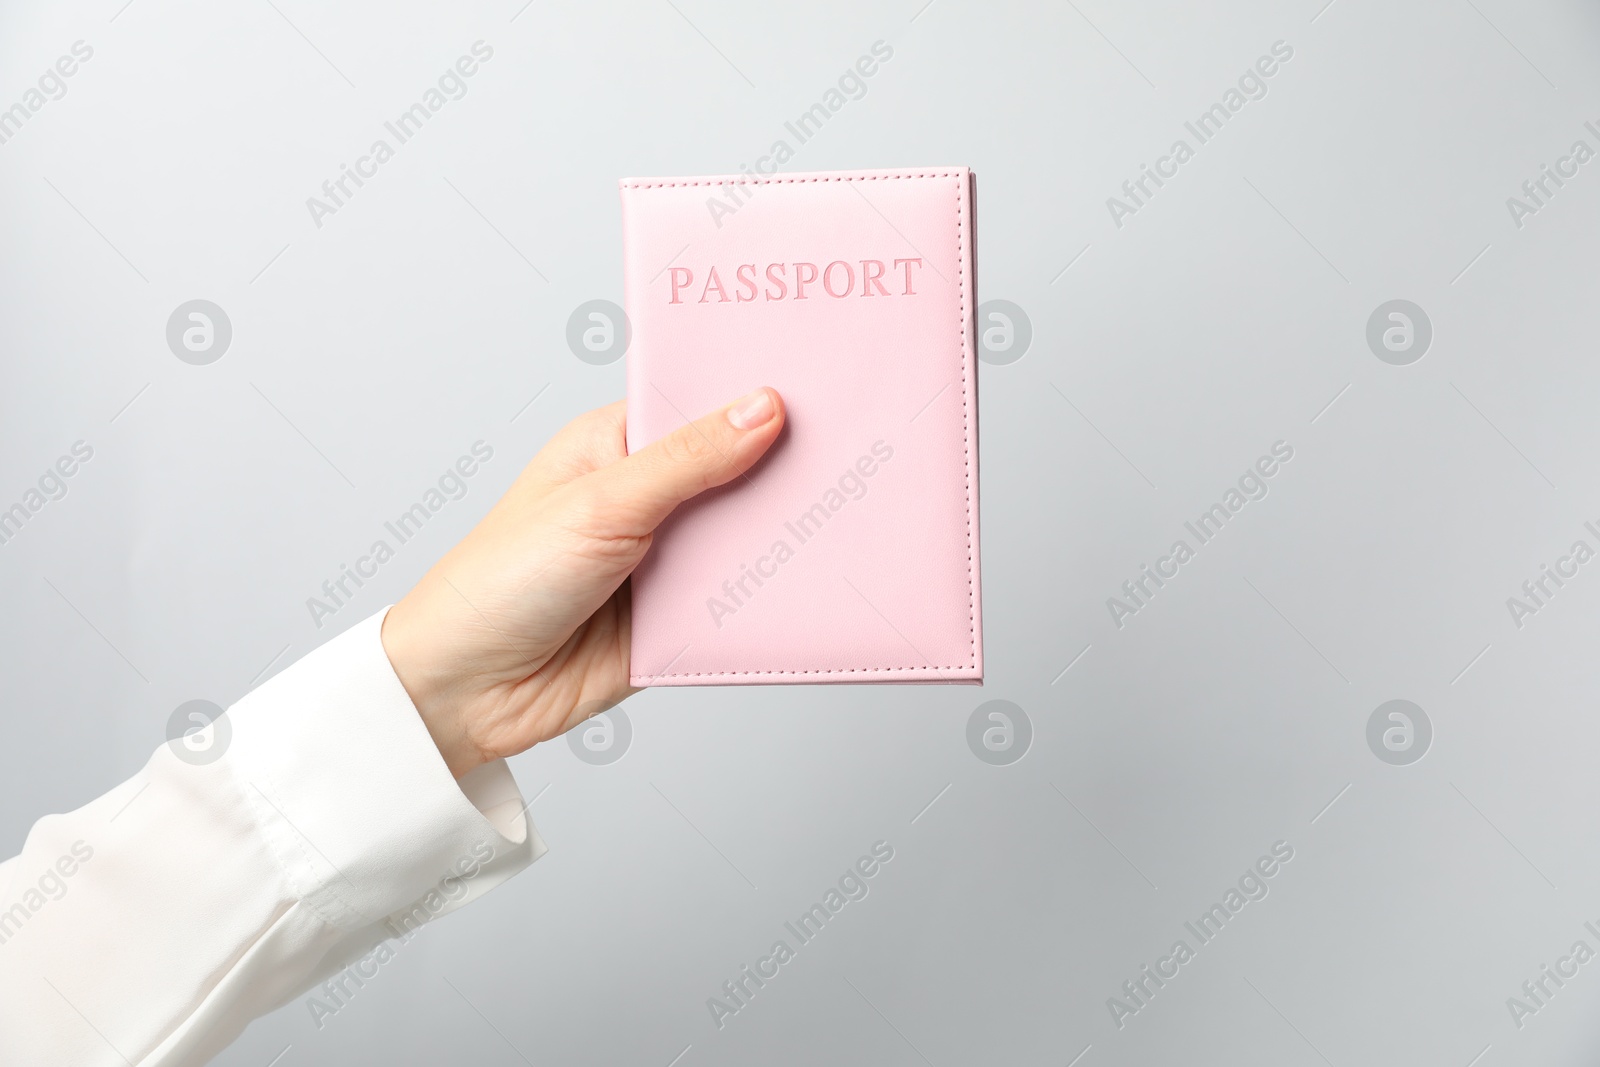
(638, 492)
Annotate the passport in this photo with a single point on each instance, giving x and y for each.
(849, 553)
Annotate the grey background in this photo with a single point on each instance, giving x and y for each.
(1172, 352)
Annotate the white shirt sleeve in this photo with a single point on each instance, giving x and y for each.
(151, 925)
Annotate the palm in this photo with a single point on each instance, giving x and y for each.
(586, 675)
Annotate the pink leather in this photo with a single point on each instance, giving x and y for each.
(850, 552)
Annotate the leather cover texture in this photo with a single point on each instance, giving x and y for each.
(849, 553)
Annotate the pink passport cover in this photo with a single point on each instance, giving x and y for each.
(850, 552)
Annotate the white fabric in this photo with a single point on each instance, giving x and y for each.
(151, 925)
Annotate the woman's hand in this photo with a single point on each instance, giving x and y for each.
(527, 619)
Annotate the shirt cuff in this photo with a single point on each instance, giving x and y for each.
(355, 800)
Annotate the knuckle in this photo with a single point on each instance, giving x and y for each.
(584, 425)
(591, 514)
(605, 527)
(689, 448)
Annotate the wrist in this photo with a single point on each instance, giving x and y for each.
(436, 693)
